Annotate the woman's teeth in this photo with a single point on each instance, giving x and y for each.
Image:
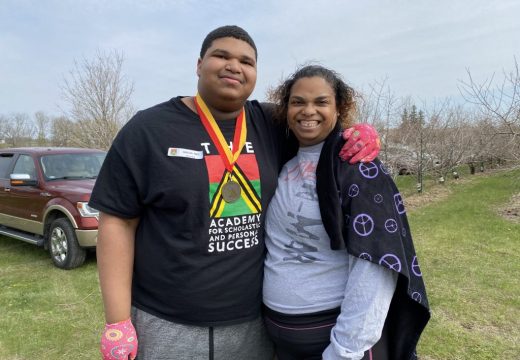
(309, 123)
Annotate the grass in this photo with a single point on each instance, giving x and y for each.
(471, 261)
(46, 313)
(469, 256)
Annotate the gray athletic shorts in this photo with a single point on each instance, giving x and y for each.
(164, 340)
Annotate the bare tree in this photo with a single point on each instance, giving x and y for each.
(99, 98)
(62, 130)
(4, 124)
(500, 102)
(451, 139)
(19, 130)
(412, 145)
(370, 108)
(42, 122)
(380, 107)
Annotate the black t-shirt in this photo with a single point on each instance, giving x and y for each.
(198, 260)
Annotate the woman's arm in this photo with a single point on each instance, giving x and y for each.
(368, 294)
(115, 260)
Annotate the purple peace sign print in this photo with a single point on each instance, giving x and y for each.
(384, 169)
(353, 190)
(399, 203)
(368, 170)
(403, 232)
(391, 261)
(391, 226)
(415, 267)
(363, 224)
(417, 296)
(378, 198)
(365, 256)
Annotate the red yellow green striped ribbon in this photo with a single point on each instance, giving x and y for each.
(229, 157)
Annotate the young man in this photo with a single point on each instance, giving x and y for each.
(182, 194)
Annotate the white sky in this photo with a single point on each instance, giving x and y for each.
(422, 47)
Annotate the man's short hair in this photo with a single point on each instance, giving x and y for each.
(226, 31)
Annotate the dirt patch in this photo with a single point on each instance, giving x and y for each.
(440, 192)
(511, 211)
(433, 194)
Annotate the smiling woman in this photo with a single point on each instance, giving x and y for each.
(339, 245)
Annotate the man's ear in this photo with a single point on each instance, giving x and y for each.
(199, 64)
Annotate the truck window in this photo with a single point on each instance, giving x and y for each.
(25, 165)
(5, 162)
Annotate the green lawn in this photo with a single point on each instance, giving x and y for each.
(469, 256)
(46, 313)
(471, 264)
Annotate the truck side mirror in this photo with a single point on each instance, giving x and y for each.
(22, 180)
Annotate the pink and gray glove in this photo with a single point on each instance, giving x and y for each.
(362, 144)
(119, 341)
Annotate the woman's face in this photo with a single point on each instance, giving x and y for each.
(311, 112)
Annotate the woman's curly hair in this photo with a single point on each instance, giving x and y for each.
(345, 95)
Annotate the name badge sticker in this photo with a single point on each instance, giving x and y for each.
(185, 153)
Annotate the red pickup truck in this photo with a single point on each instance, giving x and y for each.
(43, 200)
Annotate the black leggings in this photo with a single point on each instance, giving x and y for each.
(306, 336)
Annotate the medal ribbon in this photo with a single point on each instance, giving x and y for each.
(229, 157)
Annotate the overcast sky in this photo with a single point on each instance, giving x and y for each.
(422, 47)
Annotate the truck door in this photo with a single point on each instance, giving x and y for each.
(6, 164)
(26, 202)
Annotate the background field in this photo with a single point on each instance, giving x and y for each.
(470, 258)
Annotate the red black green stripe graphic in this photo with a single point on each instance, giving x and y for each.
(246, 174)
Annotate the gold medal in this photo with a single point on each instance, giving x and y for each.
(231, 191)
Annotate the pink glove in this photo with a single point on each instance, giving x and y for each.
(362, 144)
(119, 341)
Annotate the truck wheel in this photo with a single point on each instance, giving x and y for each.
(63, 245)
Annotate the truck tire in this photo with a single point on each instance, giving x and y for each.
(63, 245)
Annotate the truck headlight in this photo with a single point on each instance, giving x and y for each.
(87, 211)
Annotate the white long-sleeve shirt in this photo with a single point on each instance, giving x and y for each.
(368, 293)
